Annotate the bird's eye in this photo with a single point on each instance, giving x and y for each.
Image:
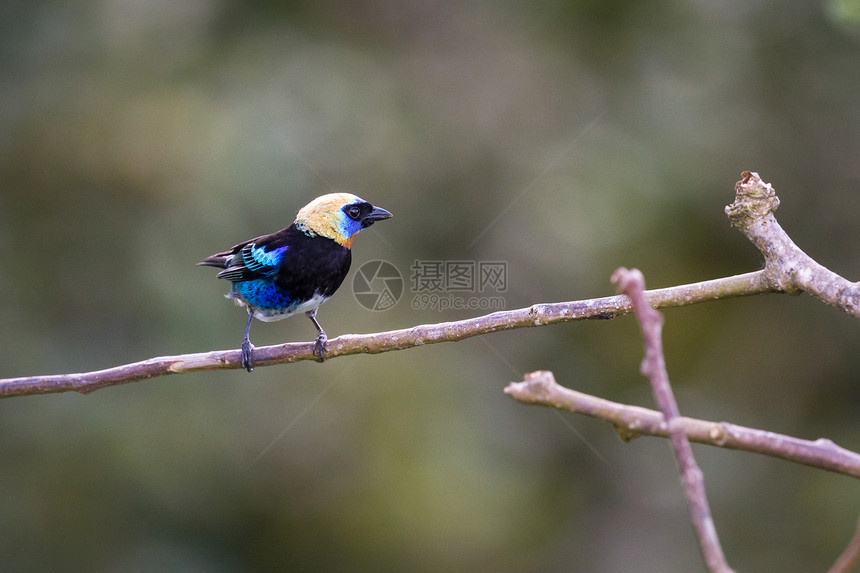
(353, 213)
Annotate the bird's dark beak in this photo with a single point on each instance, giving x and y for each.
(378, 214)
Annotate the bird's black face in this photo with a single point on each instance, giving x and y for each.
(365, 214)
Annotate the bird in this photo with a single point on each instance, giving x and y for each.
(296, 269)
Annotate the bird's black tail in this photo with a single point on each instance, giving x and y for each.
(220, 260)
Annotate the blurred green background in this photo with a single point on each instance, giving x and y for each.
(563, 138)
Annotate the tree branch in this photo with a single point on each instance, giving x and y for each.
(535, 315)
(787, 267)
(632, 283)
(630, 422)
(752, 212)
(850, 557)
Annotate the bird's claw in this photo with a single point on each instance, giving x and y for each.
(247, 347)
(319, 347)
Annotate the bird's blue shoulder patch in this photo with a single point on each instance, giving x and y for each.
(260, 260)
(254, 262)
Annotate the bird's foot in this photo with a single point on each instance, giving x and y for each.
(247, 347)
(319, 346)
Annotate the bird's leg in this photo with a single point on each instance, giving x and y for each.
(319, 345)
(247, 347)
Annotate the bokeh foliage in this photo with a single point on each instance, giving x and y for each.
(564, 138)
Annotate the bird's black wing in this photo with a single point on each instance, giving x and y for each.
(257, 258)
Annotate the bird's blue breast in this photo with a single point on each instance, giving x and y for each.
(269, 302)
(262, 294)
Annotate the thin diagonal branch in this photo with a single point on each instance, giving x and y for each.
(632, 283)
(630, 422)
(849, 558)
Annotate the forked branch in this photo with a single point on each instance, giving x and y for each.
(752, 212)
(787, 269)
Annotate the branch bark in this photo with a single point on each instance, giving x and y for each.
(535, 315)
(787, 267)
(540, 388)
(787, 270)
(632, 283)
